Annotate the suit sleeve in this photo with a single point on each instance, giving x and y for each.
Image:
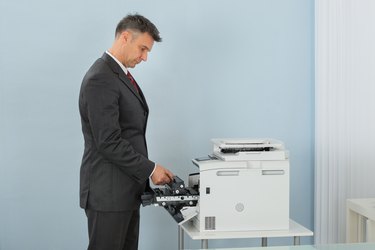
(102, 105)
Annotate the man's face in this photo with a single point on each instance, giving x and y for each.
(136, 48)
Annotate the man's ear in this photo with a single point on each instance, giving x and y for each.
(125, 36)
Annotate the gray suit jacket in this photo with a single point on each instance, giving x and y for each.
(115, 168)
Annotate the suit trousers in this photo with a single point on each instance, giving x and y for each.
(113, 230)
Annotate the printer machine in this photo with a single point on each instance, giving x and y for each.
(242, 186)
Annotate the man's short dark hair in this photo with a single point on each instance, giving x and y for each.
(138, 23)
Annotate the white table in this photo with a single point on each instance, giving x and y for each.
(360, 220)
(295, 230)
(353, 246)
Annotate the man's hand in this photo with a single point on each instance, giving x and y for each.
(161, 175)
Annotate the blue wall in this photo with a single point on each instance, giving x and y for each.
(240, 68)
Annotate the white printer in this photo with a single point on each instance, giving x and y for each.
(243, 186)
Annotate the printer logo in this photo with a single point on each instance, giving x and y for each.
(240, 207)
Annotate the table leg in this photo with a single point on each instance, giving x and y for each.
(351, 226)
(370, 231)
(264, 241)
(297, 240)
(180, 238)
(204, 244)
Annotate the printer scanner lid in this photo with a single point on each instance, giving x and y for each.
(243, 149)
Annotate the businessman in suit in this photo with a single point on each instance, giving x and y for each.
(115, 168)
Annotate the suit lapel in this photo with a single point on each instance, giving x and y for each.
(121, 74)
(128, 84)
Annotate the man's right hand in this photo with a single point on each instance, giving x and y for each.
(161, 175)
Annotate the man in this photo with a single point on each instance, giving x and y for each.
(115, 169)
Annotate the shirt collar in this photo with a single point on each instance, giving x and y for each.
(118, 62)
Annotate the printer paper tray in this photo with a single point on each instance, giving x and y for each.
(188, 213)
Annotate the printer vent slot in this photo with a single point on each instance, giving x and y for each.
(209, 223)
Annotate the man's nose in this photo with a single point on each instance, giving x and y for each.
(144, 56)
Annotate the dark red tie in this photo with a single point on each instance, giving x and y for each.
(133, 81)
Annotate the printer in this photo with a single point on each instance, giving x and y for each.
(242, 186)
